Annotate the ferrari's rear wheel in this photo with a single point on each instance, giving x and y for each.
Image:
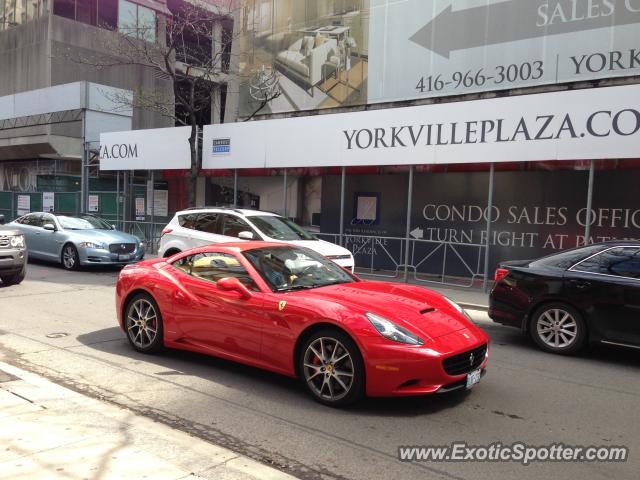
(144, 323)
(332, 368)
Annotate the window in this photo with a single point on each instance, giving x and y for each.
(212, 267)
(234, 225)
(184, 264)
(107, 14)
(87, 11)
(568, 258)
(280, 228)
(207, 222)
(137, 21)
(294, 268)
(621, 262)
(188, 220)
(33, 220)
(65, 8)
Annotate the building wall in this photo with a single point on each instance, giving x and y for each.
(53, 50)
(24, 57)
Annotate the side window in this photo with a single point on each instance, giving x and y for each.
(184, 264)
(214, 266)
(590, 265)
(46, 218)
(33, 219)
(623, 262)
(188, 220)
(234, 225)
(207, 222)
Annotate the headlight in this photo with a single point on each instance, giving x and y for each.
(394, 332)
(458, 308)
(17, 241)
(91, 245)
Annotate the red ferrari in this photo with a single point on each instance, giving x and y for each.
(289, 310)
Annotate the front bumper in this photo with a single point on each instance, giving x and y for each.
(345, 263)
(98, 256)
(12, 260)
(395, 370)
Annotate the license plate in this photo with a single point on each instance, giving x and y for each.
(473, 378)
(124, 257)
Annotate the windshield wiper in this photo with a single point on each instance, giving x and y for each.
(297, 287)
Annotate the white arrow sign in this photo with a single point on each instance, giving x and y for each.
(417, 233)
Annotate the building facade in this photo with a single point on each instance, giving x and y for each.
(448, 73)
(48, 44)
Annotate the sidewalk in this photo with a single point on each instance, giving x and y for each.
(50, 432)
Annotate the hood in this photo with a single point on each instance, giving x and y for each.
(321, 246)
(424, 312)
(103, 236)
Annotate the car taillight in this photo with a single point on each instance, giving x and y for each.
(167, 230)
(500, 274)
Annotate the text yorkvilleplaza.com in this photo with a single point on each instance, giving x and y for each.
(543, 127)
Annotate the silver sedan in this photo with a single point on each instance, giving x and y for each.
(77, 240)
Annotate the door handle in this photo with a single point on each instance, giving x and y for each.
(580, 284)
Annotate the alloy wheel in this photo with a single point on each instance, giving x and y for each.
(142, 323)
(328, 369)
(557, 328)
(69, 257)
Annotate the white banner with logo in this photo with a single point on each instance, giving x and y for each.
(582, 124)
(153, 149)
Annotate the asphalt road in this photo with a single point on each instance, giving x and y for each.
(62, 325)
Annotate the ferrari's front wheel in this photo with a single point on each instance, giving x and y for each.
(331, 368)
(143, 322)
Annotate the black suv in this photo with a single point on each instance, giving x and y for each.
(13, 254)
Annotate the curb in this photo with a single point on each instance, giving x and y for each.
(474, 306)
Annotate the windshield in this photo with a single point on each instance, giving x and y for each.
(280, 228)
(295, 268)
(82, 222)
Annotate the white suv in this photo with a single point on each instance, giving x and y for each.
(203, 226)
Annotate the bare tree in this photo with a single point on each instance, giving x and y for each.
(192, 51)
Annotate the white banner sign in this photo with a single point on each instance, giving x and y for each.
(153, 149)
(24, 204)
(48, 201)
(94, 203)
(427, 48)
(582, 124)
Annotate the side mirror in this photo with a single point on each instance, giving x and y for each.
(49, 227)
(1, 219)
(246, 235)
(232, 283)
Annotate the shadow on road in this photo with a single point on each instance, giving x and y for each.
(172, 364)
(50, 272)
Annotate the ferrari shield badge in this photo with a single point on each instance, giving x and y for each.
(281, 305)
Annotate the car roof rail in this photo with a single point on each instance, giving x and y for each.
(207, 207)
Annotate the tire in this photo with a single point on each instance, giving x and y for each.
(14, 279)
(320, 376)
(143, 323)
(558, 328)
(69, 257)
(170, 253)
